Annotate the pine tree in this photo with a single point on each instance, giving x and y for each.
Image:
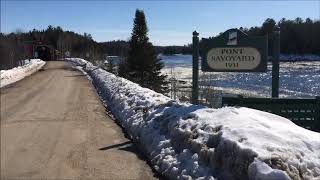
(142, 65)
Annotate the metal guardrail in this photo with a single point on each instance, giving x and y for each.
(303, 112)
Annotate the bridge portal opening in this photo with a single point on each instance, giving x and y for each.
(44, 52)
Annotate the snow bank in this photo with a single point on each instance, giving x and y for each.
(185, 141)
(13, 75)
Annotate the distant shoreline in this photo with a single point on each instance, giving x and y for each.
(295, 57)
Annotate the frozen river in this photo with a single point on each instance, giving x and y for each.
(297, 79)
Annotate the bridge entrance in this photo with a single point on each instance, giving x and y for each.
(44, 52)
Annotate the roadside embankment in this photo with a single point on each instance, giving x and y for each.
(15, 74)
(185, 141)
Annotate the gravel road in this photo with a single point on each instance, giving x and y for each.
(53, 126)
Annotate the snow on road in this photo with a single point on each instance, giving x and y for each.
(13, 75)
(184, 141)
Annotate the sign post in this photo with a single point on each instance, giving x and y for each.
(232, 51)
(195, 67)
(275, 62)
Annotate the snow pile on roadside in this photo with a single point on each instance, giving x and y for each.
(186, 141)
(13, 75)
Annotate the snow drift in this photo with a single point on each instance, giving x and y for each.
(13, 75)
(184, 141)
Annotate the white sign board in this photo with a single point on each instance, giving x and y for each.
(232, 40)
(233, 58)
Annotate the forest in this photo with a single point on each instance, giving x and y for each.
(121, 48)
(298, 36)
(12, 46)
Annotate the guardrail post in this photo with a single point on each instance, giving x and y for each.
(240, 101)
(195, 67)
(317, 111)
(275, 62)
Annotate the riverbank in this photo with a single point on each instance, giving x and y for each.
(297, 79)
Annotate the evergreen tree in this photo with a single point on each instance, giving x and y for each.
(142, 65)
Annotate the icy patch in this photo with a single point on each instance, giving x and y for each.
(185, 141)
(13, 75)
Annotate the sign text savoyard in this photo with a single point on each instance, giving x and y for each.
(234, 51)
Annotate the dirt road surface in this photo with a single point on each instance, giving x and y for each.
(53, 126)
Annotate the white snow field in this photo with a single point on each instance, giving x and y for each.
(15, 74)
(185, 141)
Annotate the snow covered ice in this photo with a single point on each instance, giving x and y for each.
(15, 74)
(298, 79)
(184, 141)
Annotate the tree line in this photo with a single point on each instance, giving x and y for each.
(121, 48)
(12, 46)
(296, 36)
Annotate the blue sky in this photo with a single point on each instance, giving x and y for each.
(169, 22)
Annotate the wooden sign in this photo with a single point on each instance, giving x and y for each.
(234, 51)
